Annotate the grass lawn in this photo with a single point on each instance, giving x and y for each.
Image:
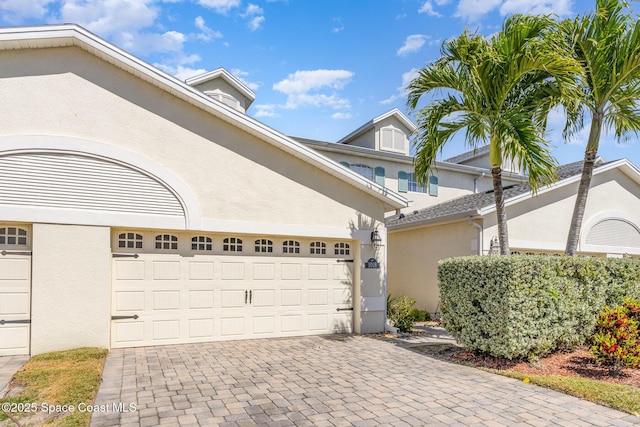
(58, 378)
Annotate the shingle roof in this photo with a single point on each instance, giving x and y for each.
(468, 155)
(472, 203)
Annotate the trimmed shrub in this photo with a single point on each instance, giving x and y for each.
(616, 341)
(528, 306)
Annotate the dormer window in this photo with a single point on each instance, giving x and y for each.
(393, 139)
(363, 170)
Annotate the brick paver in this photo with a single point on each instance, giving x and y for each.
(324, 381)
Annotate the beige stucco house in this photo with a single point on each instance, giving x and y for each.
(454, 214)
(137, 209)
(537, 225)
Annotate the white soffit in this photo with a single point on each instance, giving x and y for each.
(48, 36)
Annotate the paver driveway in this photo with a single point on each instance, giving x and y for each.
(324, 381)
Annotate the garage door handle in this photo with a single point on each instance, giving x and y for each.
(2, 321)
(250, 296)
(245, 296)
(135, 316)
(344, 309)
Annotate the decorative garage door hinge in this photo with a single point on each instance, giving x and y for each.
(3, 253)
(135, 316)
(2, 321)
(125, 255)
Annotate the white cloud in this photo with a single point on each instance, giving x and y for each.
(401, 92)
(341, 116)
(427, 8)
(265, 110)
(256, 16)
(110, 17)
(412, 44)
(220, 6)
(242, 76)
(309, 88)
(538, 7)
(181, 72)
(16, 11)
(473, 10)
(338, 25)
(206, 34)
(255, 23)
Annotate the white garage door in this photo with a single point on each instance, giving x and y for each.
(15, 290)
(179, 294)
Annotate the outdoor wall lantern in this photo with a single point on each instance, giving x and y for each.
(376, 240)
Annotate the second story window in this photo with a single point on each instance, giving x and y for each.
(363, 170)
(412, 184)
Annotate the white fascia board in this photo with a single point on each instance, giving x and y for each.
(48, 35)
(623, 164)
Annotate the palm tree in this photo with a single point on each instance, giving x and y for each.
(607, 44)
(500, 90)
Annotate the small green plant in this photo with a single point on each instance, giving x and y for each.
(399, 312)
(420, 315)
(616, 341)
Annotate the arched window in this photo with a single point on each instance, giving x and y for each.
(201, 243)
(130, 240)
(13, 236)
(264, 246)
(341, 248)
(318, 248)
(412, 184)
(232, 244)
(290, 247)
(166, 241)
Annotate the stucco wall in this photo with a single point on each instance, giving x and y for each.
(543, 222)
(71, 285)
(235, 176)
(413, 257)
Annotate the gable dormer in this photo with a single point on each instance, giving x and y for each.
(224, 87)
(389, 132)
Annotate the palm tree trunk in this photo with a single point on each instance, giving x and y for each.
(501, 213)
(585, 184)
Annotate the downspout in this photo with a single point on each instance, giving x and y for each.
(479, 227)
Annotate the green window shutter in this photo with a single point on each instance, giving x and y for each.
(345, 164)
(403, 182)
(433, 186)
(380, 175)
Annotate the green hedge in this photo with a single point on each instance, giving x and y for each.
(528, 306)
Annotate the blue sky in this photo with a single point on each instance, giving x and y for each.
(319, 68)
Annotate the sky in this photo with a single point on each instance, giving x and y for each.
(319, 68)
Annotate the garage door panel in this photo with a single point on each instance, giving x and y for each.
(15, 303)
(264, 324)
(342, 296)
(291, 271)
(318, 272)
(264, 271)
(291, 323)
(201, 299)
(318, 322)
(232, 326)
(342, 322)
(318, 296)
(129, 270)
(166, 329)
(233, 270)
(166, 270)
(127, 332)
(129, 301)
(291, 297)
(166, 300)
(263, 297)
(199, 270)
(14, 269)
(233, 298)
(201, 328)
(14, 339)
